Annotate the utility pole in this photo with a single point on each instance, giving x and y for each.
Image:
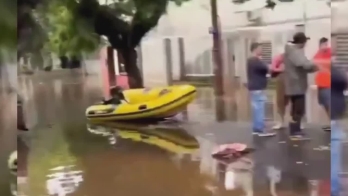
(217, 54)
(305, 17)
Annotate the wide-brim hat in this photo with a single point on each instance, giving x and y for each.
(300, 38)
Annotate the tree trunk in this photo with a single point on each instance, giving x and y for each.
(135, 79)
(111, 66)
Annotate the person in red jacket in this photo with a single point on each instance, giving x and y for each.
(323, 76)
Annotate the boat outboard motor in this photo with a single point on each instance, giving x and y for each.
(117, 96)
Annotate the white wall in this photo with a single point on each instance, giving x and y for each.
(193, 18)
(340, 16)
(8, 77)
(296, 9)
(154, 63)
(93, 67)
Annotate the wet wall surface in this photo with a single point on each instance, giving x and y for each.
(64, 154)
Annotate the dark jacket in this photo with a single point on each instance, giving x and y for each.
(338, 85)
(257, 74)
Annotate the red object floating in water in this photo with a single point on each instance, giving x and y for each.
(231, 152)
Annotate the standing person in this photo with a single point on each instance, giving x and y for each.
(296, 69)
(282, 100)
(337, 110)
(323, 77)
(257, 72)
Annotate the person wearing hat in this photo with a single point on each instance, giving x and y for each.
(296, 69)
(282, 100)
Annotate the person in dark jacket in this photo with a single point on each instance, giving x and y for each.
(257, 72)
(296, 69)
(338, 107)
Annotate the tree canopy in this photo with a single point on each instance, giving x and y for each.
(8, 23)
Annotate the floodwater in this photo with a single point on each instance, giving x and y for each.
(65, 155)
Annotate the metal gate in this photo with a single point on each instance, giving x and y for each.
(266, 52)
(340, 47)
(198, 53)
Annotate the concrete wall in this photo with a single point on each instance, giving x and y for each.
(92, 67)
(8, 77)
(339, 17)
(153, 57)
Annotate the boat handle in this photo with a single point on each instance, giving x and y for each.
(142, 107)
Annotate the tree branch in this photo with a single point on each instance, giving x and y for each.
(105, 22)
(109, 25)
(141, 24)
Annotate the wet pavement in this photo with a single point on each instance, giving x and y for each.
(64, 154)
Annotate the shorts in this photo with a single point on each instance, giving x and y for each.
(324, 98)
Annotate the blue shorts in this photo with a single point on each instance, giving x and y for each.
(324, 98)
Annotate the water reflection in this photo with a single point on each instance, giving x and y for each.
(174, 140)
(188, 152)
(63, 180)
(239, 175)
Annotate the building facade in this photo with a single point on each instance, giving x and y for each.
(187, 29)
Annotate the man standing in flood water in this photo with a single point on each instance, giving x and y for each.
(257, 72)
(323, 76)
(296, 69)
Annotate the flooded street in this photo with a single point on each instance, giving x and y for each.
(64, 155)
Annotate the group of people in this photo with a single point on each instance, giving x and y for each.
(291, 69)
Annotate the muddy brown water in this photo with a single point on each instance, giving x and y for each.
(64, 154)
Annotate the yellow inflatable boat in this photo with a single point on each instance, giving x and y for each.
(169, 139)
(145, 104)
